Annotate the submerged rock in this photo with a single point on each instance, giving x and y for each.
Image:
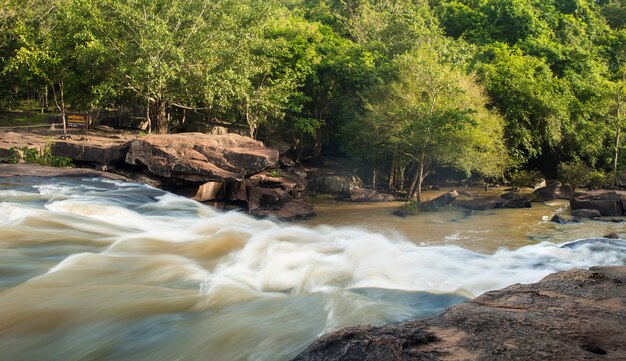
(573, 315)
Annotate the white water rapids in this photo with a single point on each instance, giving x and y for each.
(93, 269)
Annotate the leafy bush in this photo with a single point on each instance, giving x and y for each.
(598, 179)
(36, 156)
(526, 178)
(578, 174)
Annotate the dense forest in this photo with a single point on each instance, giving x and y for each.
(484, 87)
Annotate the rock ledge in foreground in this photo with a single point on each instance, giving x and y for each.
(34, 170)
(573, 315)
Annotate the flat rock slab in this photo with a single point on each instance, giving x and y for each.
(34, 170)
(199, 157)
(607, 202)
(574, 315)
(91, 148)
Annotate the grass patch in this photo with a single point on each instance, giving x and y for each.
(23, 119)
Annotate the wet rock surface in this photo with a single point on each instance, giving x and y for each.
(573, 315)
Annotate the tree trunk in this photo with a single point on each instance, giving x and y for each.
(63, 113)
(148, 117)
(374, 179)
(392, 172)
(413, 186)
(162, 125)
(618, 127)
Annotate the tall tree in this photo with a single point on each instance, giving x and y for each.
(436, 116)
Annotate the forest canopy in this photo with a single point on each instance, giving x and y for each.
(409, 86)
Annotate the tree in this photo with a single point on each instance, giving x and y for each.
(435, 115)
(44, 48)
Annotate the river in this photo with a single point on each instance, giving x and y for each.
(94, 269)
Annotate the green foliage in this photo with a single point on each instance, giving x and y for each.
(598, 179)
(576, 173)
(274, 173)
(402, 84)
(526, 178)
(42, 156)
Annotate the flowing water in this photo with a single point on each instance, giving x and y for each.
(92, 269)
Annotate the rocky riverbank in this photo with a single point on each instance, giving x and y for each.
(218, 168)
(573, 315)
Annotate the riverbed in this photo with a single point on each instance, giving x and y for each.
(94, 269)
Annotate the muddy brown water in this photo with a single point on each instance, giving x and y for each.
(94, 269)
(481, 231)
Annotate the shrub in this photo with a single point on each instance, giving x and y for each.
(526, 178)
(36, 156)
(578, 174)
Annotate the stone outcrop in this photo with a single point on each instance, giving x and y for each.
(273, 192)
(586, 213)
(34, 170)
(198, 157)
(94, 151)
(508, 200)
(607, 202)
(554, 190)
(359, 194)
(443, 200)
(574, 315)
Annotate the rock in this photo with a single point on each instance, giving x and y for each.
(607, 202)
(358, 194)
(586, 213)
(554, 190)
(442, 201)
(287, 211)
(468, 194)
(558, 219)
(91, 151)
(274, 192)
(279, 145)
(286, 162)
(331, 184)
(573, 315)
(34, 170)
(522, 202)
(198, 157)
(481, 203)
(210, 191)
(402, 212)
(611, 235)
(510, 195)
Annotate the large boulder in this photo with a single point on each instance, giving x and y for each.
(480, 203)
(92, 151)
(574, 315)
(359, 194)
(199, 157)
(443, 200)
(586, 213)
(331, 184)
(607, 202)
(554, 190)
